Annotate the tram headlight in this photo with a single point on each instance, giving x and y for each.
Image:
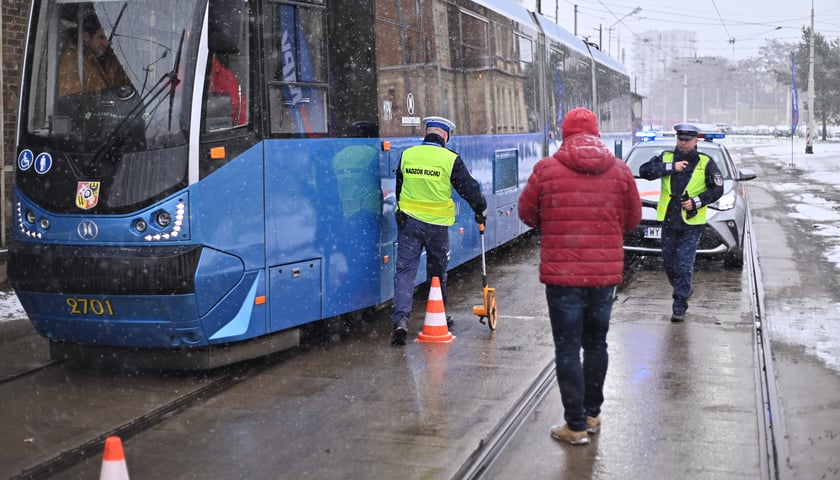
(140, 225)
(163, 218)
(30, 217)
(44, 223)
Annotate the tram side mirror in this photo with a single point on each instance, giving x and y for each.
(225, 24)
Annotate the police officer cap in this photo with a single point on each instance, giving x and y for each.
(686, 131)
(439, 122)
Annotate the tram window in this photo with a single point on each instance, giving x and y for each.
(353, 110)
(405, 13)
(527, 112)
(504, 47)
(526, 53)
(505, 170)
(556, 92)
(474, 76)
(474, 41)
(226, 99)
(296, 56)
(227, 88)
(50, 39)
(579, 83)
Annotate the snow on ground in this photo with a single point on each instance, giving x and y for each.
(815, 327)
(10, 308)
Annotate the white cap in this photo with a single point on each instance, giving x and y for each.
(439, 122)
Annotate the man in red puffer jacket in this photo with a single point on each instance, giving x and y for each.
(583, 200)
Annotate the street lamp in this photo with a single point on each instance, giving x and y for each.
(610, 29)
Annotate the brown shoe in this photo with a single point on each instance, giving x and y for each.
(593, 424)
(562, 433)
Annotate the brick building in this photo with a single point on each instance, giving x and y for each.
(14, 14)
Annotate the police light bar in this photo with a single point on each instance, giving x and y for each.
(646, 136)
(712, 135)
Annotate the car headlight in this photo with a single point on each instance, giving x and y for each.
(726, 202)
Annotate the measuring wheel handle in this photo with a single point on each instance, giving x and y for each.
(488, 310)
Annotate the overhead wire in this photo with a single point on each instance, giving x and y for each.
(728, 35)
(604, 11)
(739, 29)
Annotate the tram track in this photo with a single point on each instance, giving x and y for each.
(75, 454)
(70, 454)
(61, 460)
(28, 371)
(491, 448)
(494, 445)
(773, 446)
(502, 436)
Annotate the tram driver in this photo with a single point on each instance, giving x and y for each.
(100, 67)
(95, 94)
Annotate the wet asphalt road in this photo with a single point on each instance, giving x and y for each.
(681, 399)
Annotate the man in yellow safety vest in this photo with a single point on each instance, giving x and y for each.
(426, 175)
(690, 181)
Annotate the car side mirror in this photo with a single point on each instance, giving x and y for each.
(746, 174)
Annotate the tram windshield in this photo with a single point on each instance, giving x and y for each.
(106, 102)
(110, 74)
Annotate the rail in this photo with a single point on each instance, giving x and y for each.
(496, 442)
(773, 445)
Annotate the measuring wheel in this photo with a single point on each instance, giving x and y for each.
(492, 312)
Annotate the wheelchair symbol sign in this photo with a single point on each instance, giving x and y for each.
(25, 159)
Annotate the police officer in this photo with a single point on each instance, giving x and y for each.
(425, 209)
(690, 182)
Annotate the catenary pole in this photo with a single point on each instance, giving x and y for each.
(809, 135)
(2, 145)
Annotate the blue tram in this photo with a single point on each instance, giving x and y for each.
(200, 175)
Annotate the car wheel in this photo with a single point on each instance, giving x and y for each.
(734, 259)
(630, 259)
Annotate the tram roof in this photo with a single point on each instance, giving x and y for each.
(559, 34)
(512, 10)
(607, 60)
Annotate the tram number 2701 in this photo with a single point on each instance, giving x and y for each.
(88, 306)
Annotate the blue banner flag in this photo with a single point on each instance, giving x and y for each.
(304, 102)
(794, 117)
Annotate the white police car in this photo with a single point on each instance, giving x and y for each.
(724, 233)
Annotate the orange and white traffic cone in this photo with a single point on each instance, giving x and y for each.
(434, 326)
(113, 461)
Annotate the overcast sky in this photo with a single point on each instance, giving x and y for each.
(748, 22)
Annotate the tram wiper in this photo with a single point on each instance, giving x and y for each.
(167, 82)
(148, 67)
(117, 22)
(173, 81)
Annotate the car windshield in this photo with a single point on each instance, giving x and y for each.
(641, 153)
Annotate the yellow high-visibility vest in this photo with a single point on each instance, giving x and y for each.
(426, 189)
(696, 185)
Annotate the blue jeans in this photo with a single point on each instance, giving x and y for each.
(580, 318)
(679, 247)
(412, 239)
